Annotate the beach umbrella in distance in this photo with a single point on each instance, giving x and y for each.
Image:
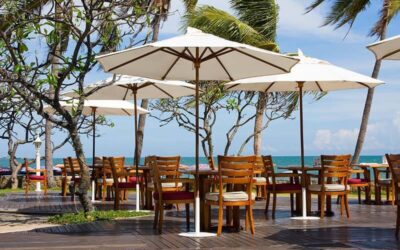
(99, 107)
(388, 49)
(310, 74)
(123, 87)
(196, 56)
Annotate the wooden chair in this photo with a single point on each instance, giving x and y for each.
(332, 179)
(123, 180)
(164, 173)
(259, 179)
(104, 179)
(394, 166)
(384, 180)
(237, 174)
(75, 171)
(289, 187)
(360, 182)
(32, 177)
(212, 165)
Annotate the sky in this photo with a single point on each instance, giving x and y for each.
(331, 124)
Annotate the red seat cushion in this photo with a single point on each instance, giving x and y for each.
(127, 185)
(134, 179)
(356, 181)
(36, 177)
(285, 186)
(179, 195)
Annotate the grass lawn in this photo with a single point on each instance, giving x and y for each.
(5, 191)
(76, 218)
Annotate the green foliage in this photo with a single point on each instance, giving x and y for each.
(81, 217)
(345, 12)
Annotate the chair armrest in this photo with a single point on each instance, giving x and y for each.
(177, 180)
(37, 171)
(356, 171)
(287, 175)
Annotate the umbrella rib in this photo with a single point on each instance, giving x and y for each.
(222, 65)
(218, 53)
(126, 112)
(172, 65)
(204, 51)
(270, 86)
(162, 90)
(261, 60)
(191, 55)
(232, 86)
(319, 86)
(144, 85)
(363, 84)
(134, 59)
(390, 54)
(126, 93)
(176, 53)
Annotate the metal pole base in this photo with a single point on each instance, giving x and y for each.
(93, 194)
(197, 233)
(137, 197)
(304, 208)
(38, 188)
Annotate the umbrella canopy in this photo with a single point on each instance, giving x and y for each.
(102, 107)
(122, 85)
(196, 56)
(388, 49)
(309, 74)
(174, 59)
(316, 75)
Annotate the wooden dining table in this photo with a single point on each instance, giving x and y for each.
(204, 174)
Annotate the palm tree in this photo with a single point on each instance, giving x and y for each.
(346, 13)
(255, 24)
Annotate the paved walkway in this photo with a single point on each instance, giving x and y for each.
(370, 227)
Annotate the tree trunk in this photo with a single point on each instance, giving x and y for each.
(84, 184)
(12, 149)
(145, 102)
(258, 123)
(368, 102)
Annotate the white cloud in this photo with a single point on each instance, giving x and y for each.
(396, 121)
(342, 139)
(294, 22)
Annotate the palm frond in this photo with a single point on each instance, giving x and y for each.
(189, 5)
(221, 23)
(262, 15)
(388, 11)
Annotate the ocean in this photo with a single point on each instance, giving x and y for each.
(278, 160)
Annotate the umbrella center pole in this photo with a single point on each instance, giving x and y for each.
(197, 191)
(136, 155)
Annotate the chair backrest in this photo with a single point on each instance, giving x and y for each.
(394, 166)
(211, 162)
(259, 165)
(168, 166)
(26, 165)
(336, 168)
(269, 170)
(74, 167)
(117, 165)
(236, 170)
(154, 172)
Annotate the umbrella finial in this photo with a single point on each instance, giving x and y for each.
(300, 53)
(193, 31)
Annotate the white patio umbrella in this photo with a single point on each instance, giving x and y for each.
(310, 74)
(99, 107)
(196, 56)
(122, 87)
(388, 49)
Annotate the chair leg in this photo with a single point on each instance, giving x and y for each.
(104, 190)
(117, 199)
(45, 187)
(291, 204)
(359, 194)
(161, 218)
(308, 202)
(322, 205)
(267, 203)
(220, 219)
(273, 205)
(27, 184)
(346, 204)
(398, 222)
(187, 208)
(156, 213)
(342, 205)
(247, 213)
(252, 228)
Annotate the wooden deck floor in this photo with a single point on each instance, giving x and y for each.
(370, 227)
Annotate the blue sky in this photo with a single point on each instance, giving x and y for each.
(331, 124)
